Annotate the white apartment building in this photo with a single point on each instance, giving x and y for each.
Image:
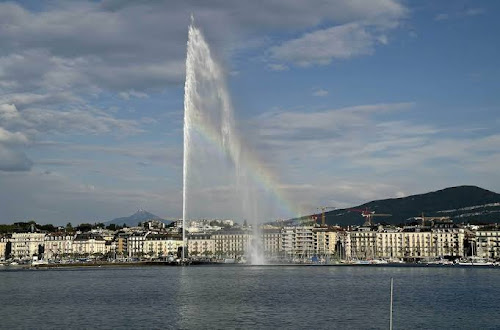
(58, 245)
(135, 244)
(3, 248)
(488, 244)
(410, 243)
(271, 242)
(231, 243)
(88, 244)
(308, 241)
(363, 243)
(201, 245)
(325, 241)
(26, 245)
(161, 245)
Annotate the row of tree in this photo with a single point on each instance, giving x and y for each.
(32, 226)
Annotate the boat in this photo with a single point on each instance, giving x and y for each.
(39, 262)
(476, 261)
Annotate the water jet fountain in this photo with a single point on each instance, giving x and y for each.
(208, 113)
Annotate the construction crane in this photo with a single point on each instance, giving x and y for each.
(423, 219)
(323, 209)
(366, 213)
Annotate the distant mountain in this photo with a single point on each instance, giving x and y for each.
(462, 204)
(134, 219)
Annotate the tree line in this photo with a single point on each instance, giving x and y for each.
(23, 227)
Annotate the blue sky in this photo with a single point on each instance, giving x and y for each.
(347, 101)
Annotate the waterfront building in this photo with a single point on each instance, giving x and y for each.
(201, 245)
(288, 242)
(3, 248)
(231, 243)
(449, 241)
(135, 244)
(110, 248)
(271, 242)
(363, 243)
(325, 241)
(304, 241)
(161, 245)
(27, 245)
(416, 242)
(121, 244)
(488, 243)
(89, 244)
(343, 245)
(58, 245)
(298, 241)
(433, 243)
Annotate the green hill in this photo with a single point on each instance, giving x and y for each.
(462, 204)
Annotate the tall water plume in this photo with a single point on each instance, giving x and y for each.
(213, 151)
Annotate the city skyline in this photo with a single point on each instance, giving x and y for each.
(344, 102)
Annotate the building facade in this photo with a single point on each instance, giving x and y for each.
(488, 244)
(89, 244)
(27, 245)
(161, 245)
(201, 245)
(58, 245)
(231, 243)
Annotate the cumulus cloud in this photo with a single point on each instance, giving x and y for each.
(57, 198)
(140, 46)
(56, 61)
(76, 121)
(322, 46)
(7, 137)
(361, 153)
(12, 160)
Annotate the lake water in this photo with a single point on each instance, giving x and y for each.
(209, 297)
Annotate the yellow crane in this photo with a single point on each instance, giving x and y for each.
(323, 209)
(366, 213)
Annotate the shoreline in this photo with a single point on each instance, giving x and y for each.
(219, 264)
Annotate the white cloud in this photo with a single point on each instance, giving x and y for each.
(100, 45)
(132, 93)
(57, 60)
(320, 47)
(76, 121)
(278, 67)
(12, 160)
(460, 14)
(320, 92)
(367, 152)
(7, 137)
(58, 198)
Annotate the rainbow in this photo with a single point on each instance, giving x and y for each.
(205, 90)
(260, 174)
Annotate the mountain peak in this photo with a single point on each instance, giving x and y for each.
(134, 219)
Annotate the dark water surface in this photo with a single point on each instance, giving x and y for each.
(217, 297)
